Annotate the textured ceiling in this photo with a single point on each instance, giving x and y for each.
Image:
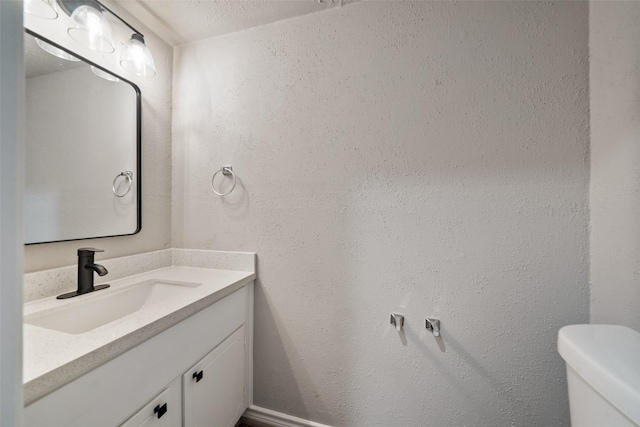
(183, 21)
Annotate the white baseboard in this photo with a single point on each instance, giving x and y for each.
(278, 419)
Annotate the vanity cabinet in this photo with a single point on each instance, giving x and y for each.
(214, 391)
(214, 343)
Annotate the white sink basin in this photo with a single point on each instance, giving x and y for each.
(87, 312)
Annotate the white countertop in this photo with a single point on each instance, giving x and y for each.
(52, 358)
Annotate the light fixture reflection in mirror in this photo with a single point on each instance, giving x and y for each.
(107, 76)
(91, 29)
(55, 51)
(40, 8)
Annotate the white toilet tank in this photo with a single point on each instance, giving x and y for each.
(603, 373)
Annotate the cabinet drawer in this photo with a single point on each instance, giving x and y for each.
(231, 314)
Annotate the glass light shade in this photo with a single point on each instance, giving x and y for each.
(91, 29)
(101, 73)
(136, 57)
(55, 51)
(40, 8)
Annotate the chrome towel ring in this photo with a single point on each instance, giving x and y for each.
(128, 176)
(226, 171)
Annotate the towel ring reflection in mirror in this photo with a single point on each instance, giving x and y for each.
(128, 176)
(226, 171)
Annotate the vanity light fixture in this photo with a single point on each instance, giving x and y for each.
(136, 57)
(92, 29)
(40, 8)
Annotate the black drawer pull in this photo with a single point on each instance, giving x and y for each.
(197, 376)
(160, 410)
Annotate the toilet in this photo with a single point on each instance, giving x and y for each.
(603, 374)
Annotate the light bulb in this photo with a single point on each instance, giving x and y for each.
(92, 29)
(136, 57)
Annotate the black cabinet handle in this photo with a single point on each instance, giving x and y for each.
(160, 410)
(197, 376)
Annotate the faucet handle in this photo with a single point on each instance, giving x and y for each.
(88, 251)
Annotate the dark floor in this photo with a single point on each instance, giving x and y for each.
(250, 423)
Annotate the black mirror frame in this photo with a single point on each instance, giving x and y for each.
(138, 142)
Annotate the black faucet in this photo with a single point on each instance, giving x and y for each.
(86, 268)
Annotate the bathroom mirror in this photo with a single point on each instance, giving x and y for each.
(82, 175)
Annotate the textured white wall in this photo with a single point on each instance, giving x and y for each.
(614, 39)
(429, 158)
(156, 148)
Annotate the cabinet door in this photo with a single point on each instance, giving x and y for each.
(214, 389)
(165, 410)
